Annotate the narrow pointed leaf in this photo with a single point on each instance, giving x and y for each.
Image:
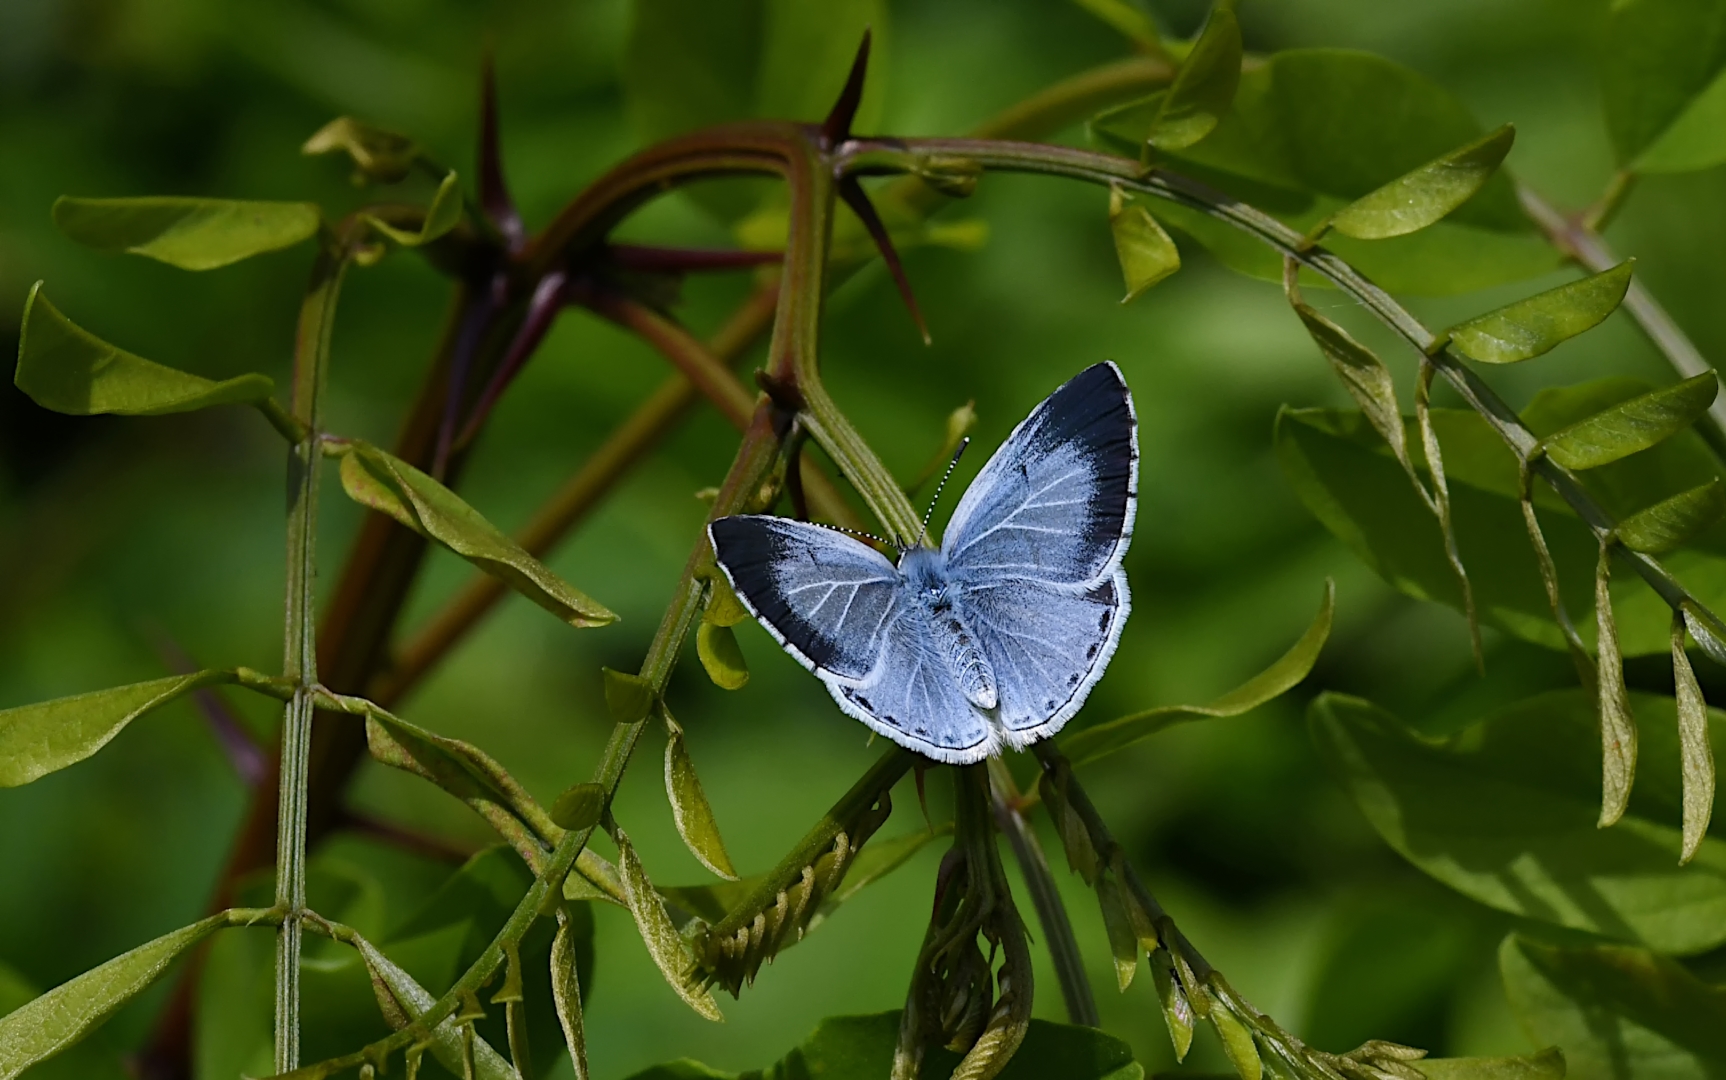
(1670, 524)
(39, 739)
(1097, 742)
(1123, 942)
(1237, 1043)
(1146, 253)
(690, 808)
(1533, 326)
(41, 1028)
(1203, 89)
(720, 656)
(1632, 425)
(448, 1039)
(392, 486)
(669, 951)
(566, 995)
(192, 234)
(1177, 1010)
(1365, 377)
(723, 607)
(1617, 723)
(378, 154)
(628, 697)
(1548, 1064)
(440, 217)
(580, 807)
(67, 369)
(1420, 198)
(1694, 749)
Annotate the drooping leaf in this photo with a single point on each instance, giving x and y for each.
(1365, 377)
(1204, 87)
(1506, 812)
(566, 993)
(1695, 749)
(1176, 1009)
(723, 608)
(192, 234)
(440, 217)
(1659, 57)
(1424, 196)
(1707, 629)
(411, 1000)
(1634, 425)
(1118, 924)
(49, 1024)
(689, 806)
(378, 154)
(720, 657)
(1670, 523)
(1617, 722)
(1619, 1012)
(669, 951)
(1237, 1043)
(1146, 253)
(65, 368)
(628, 697)
(1533, 326)
(1548, 1064)
(39, 739)
(392, 486)
(1092, 743)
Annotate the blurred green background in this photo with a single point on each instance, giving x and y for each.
(117, 534)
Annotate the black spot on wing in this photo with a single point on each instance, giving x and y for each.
(748, 548)
(1093, 412)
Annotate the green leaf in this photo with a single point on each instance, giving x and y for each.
(1661, 57)
(669, 951)
(1424, 196)
(861, 1048)
(192, 234)
(67, 369)
(1146, 253)
(1204, 87)
(36, 740)
(440, 217)
(1619, 1012)
(580, 807)
(1548, 1064)
(1126, 19)
(1176, 1009)
(1617, 721)
(49, 1024)
(689, 806)
(1695, 749)
(1506, 812)
(720, 656)
(1123, 942)
(410, 1002)
(1365, 377)
(1696, 139)
(723, 608)
(629, 698)
(1634, 425)
(1671, 523)
(566, 991)
(393, 487)
(1237, 1043)
(1092, 743)
(1533, 326)
(378, 154)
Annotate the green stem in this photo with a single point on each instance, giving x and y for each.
(300, 658)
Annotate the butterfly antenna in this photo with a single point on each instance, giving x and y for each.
(951, 465)
(858, 533)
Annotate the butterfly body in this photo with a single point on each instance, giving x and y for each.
(993, 639)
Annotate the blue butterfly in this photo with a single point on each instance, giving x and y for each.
(993, 639)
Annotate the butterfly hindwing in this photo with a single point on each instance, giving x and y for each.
(912, 698)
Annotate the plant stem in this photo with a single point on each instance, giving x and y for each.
(300, 655)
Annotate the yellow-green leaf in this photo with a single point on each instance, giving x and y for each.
(1669, 524)
(1293, 666)
(1533, 326)
(1177, 1010)
(440, 217)
(65, 368)
(1123, 942)
(580, 807)
(690, 808)
(720, 656)
(1694, 750)
(378, 154)
(392, 486)
(39, 739)
(192, 234)
(1617, 722)
(723, 607)
(1424, 196)
(1237, 1043)
(41, 1028)
(628, 697)
(1146, 253)
(669, 951)
(566, 994)
(1548, 1064)
(1632, 425)
(448, 1040)
(1365, 377)
(1204, 87)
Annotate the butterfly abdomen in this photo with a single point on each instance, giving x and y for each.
(927, 577)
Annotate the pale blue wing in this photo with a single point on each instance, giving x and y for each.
(1056, 501)
(1048, 646)
(913, 699)
(822, 595)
